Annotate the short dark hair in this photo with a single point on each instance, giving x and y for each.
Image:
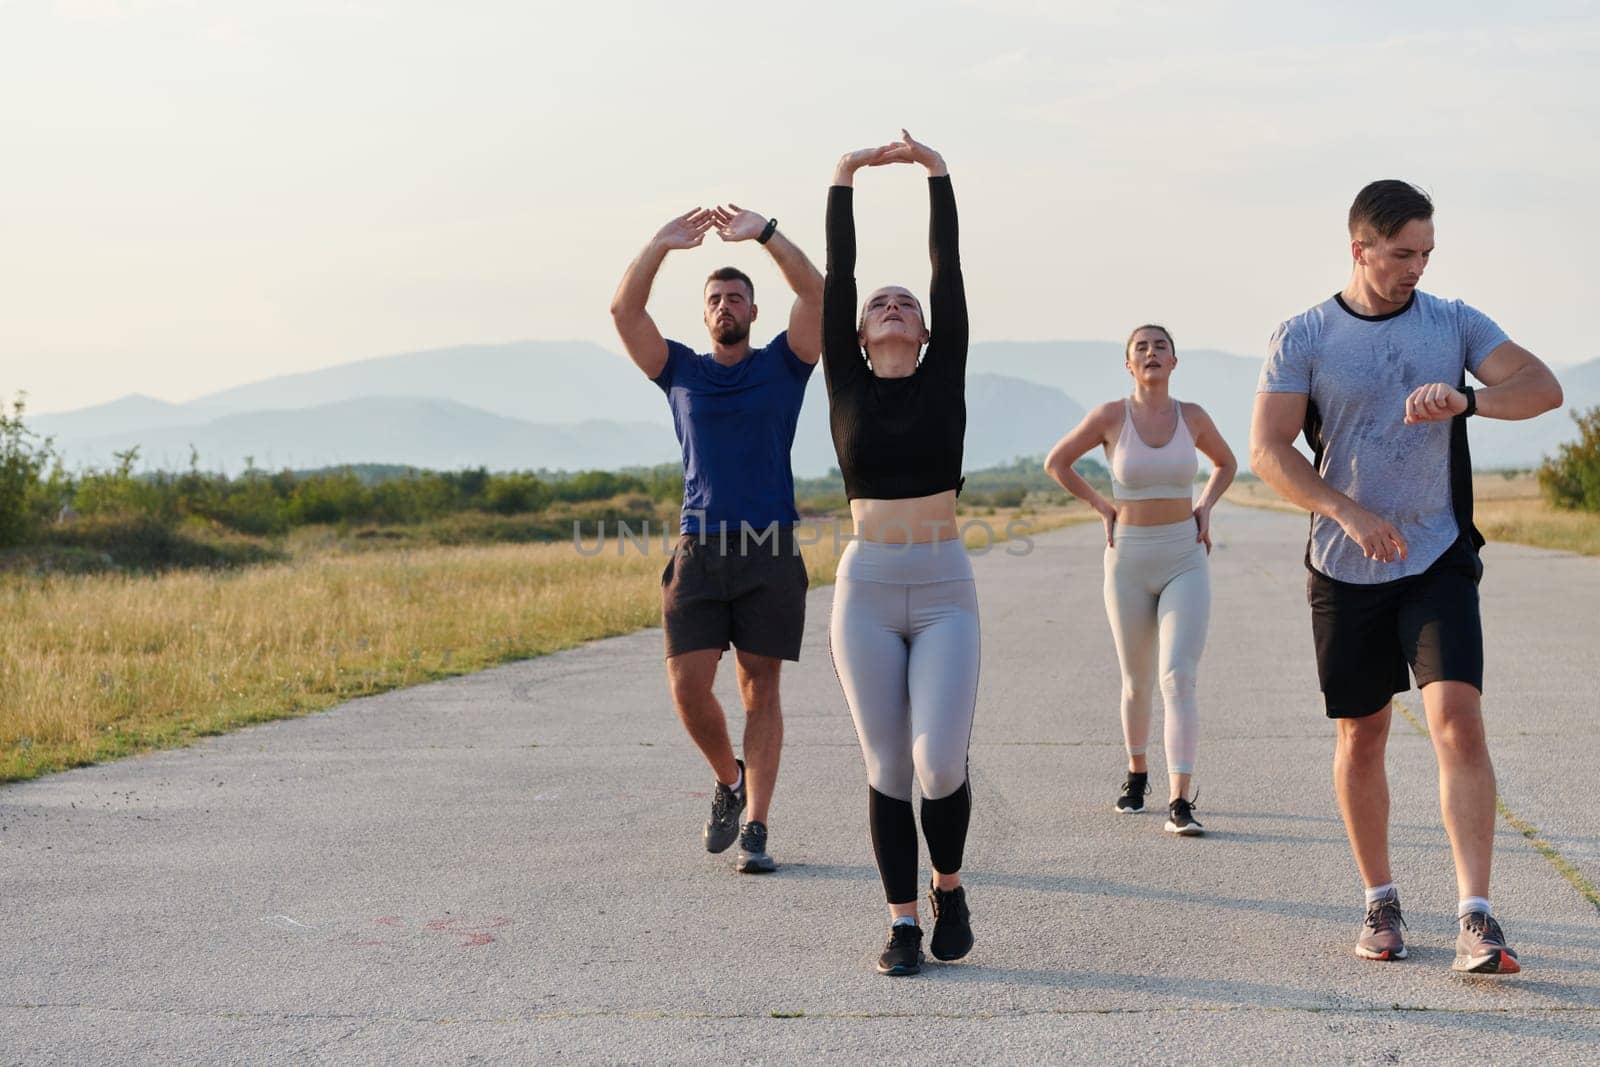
(733, 274)
(1384, 207)
(1149, 326)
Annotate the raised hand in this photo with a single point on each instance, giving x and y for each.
(910, 150)
(687, 230)
(735, 223)
(1434, 403)
(851, 162)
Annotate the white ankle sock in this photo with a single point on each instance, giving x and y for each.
(1377, 892)
(905, 920)
(736, 783)
(1467, 905)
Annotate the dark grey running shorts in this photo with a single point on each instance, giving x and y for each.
(1368, 635)
(719, 591)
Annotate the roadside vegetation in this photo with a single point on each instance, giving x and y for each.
(141, 611)
(97, 666)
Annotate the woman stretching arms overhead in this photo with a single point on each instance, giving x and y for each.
(904, 633)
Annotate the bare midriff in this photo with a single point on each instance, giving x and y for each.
(1154, 512)
(909, 521)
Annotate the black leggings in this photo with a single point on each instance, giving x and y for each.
(894, 837)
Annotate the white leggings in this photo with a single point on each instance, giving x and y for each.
(1158, 592)
(904, 638)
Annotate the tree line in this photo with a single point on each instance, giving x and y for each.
(37, 491)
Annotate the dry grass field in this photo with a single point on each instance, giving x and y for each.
(93, 667)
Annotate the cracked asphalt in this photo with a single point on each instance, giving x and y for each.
(507, 866)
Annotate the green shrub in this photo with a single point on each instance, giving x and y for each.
(1571, 478)
(597, 485)
(22, 459)
(143, 542)
(251, 504)
(516, 494)
(1009, 497)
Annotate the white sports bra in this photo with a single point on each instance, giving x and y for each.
(1139, 472)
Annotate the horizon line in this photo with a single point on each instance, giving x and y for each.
(1556, 364)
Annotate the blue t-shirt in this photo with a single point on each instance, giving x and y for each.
(1358, 370)
(736, 425)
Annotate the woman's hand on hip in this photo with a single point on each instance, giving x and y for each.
(1108, 516)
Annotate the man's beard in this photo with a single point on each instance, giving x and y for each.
(730, 333)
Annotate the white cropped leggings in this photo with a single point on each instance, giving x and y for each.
(1158, 596)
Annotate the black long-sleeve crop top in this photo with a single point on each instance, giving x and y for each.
(896, 438)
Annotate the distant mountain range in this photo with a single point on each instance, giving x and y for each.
(411, 431)
(575, 405)
(1006, 418)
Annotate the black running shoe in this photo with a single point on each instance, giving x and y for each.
(902, 955)
(952, 923)
(726, 807)
(753, 858)
(1131, 802)
(1181, 820)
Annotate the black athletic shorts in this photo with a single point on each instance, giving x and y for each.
(1367, 635)
(718, 591)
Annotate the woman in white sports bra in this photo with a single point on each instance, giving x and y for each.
(1158, 586)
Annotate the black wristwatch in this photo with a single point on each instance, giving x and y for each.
(1472, 401)
(766, 233)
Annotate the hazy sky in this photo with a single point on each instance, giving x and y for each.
(199, 194)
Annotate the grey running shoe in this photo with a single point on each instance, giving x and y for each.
(753, 858)
(902, 955)
(726, 807)
(1481, 947)
(1380, 937)
(1134, 788)
(952, 923)
(1181, 820)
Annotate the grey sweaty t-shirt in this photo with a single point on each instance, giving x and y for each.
(1358, 371)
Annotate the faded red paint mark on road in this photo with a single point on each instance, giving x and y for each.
(474, 932)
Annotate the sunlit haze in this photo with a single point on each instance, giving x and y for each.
(198, 195)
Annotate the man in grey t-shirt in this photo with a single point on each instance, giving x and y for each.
(1376, 378)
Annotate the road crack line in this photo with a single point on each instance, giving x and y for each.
(1563, 866)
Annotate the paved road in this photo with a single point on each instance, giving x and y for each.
(507, 866)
